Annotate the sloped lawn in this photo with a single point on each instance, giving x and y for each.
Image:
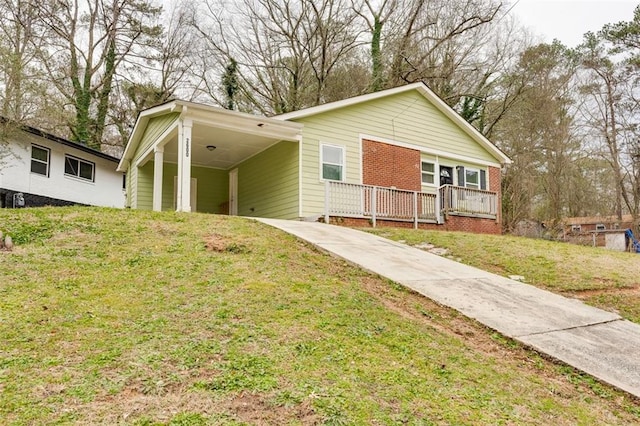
(126, 317)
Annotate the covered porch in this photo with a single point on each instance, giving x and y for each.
(189, 154)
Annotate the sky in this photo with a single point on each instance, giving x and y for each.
(568, 20)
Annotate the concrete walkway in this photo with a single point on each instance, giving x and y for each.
(597, 342)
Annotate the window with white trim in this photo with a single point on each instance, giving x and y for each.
(332, 161)
(472, 178)
(78, 168)
(601, 227)
(428, 171)
(40, 160)
(576, 228)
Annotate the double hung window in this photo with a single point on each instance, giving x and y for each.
(428, 171)
(332, 159)
(40, 160)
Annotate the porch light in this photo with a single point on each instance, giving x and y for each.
(211, 147)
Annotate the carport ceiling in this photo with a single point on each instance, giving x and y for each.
(232, 147)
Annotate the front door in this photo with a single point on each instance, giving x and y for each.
(233, 192)
(446, 175)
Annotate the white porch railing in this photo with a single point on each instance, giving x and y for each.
(375, 202)
(456, 199)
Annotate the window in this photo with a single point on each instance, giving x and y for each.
(332, 159)
(472, 178)
(78, 168)
(576, 228)
(428, 173)
(40, 160)
(601, 227)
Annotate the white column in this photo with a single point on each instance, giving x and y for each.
(157, 178)
(184, 172)
(178, 180)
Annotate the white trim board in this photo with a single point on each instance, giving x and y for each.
(430, 151)
(424, 91)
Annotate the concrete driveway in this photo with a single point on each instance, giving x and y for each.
(597, 342)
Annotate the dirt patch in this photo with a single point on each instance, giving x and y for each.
(74, 234)
(222, 244)
(432, 249)
(587, 294)
(255, 410)
(130, 405)
(163, 228)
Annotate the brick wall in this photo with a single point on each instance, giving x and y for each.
(388, 165)
(495, 185)
(474, 225)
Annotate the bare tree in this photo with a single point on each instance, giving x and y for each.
(19, 43)
(375, 18)
(286, 52)
(87, 44)
(538, 133)
(158, 73)
(611, 112)
(425, 40)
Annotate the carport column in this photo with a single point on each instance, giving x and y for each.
(184, 167)
(157, 178)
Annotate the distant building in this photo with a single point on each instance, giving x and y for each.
(599, 231)
(576, 225)
(39, 169)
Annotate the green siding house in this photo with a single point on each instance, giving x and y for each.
(399, 156)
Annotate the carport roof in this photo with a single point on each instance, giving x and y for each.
(235, 134)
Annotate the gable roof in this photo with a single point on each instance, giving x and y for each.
(53, 138)
(424, 91)
(228, 119)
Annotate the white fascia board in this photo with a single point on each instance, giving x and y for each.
(430, 151)
(215, 117)
(464, 124)
(346, 102)
(245, 123)
(422, 89)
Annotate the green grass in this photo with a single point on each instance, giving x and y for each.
(126, 317)
(602, 278)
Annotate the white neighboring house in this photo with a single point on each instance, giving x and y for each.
(52, 171)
